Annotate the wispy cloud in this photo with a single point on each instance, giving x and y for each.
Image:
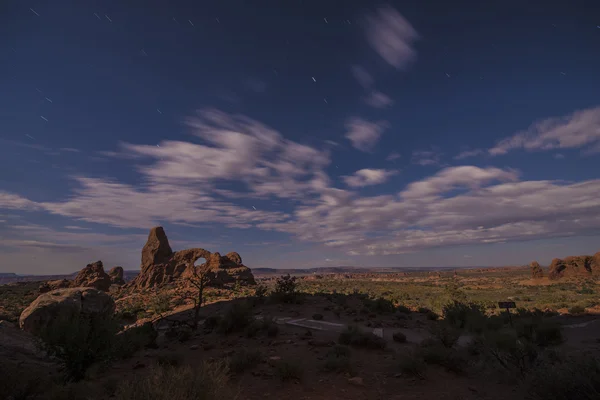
(377, 99)
(363, 134)
(361, 75)
(469, 153)
(391, 36)
(367, 177)
(393, 156)
(426, 157)
(576, 130)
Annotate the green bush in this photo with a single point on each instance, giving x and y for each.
(337, 359)
(244, 360)
(286, 289)
(236, 318)
(451, 359)
(128, 342)
(207, 382)
(412, 364)
(445, 333)
(539, 331)
(287, 370)
(379, 305)
(576, 310)
(266, 325)
(576, 378)
(353, 336)
(469, 316)
(79, 341)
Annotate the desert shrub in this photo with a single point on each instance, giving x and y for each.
(445, 333)
(412, 364)
(505, 349)
(317, 317)
(403, 309)
(399, 337)
(379, 305)
(266, 325)
(577, 309)
(236, 318)
(260, 294)
(576, 378)
(353, 336)
(436, 353)
(469, 316)
(244, 360)
(160, 303)
(169, 359)
(287, 370)
(286, 289)
(539, 331)
(79, 341)
(207, 382)
(337, 359)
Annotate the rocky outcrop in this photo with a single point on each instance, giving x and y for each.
(573, 266)
(65, 303)
(536, 270)
(116, 276)
(93, 275)
(160, 265)
(48, 286)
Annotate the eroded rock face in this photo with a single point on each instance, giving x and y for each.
(93, 275)
(573, 266)
(536, 270)
(116, 276)
(65, 303)
(160, 265)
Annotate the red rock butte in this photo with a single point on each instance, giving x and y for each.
(160, 265)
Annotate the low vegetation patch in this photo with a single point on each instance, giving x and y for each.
(353, 336)
(244, 360)
(207, 382)
(287, 370)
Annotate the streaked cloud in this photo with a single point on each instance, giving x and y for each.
(576, 130)
(363, 134)
(391, 36)
(367, 177)
(377, 99)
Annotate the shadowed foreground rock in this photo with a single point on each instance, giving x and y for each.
(65, 303)
(536, 270)
(160, 265)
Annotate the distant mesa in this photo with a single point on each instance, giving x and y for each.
(160, 265)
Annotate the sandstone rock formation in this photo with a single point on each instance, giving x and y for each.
(65, 303)
(48, 286)
(116, 276)
(574, 266)
(93, 275)
(160, 265)
(536, 270)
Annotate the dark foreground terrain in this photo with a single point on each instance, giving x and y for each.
(415, 336)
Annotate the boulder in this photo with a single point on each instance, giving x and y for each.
(116, 276)
(49, 286)
(62, 303)
(536, 270)
(160, 265)
(93, 275)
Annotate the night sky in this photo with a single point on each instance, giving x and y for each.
(299, 133)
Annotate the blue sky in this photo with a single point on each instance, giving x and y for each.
(299, 133)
